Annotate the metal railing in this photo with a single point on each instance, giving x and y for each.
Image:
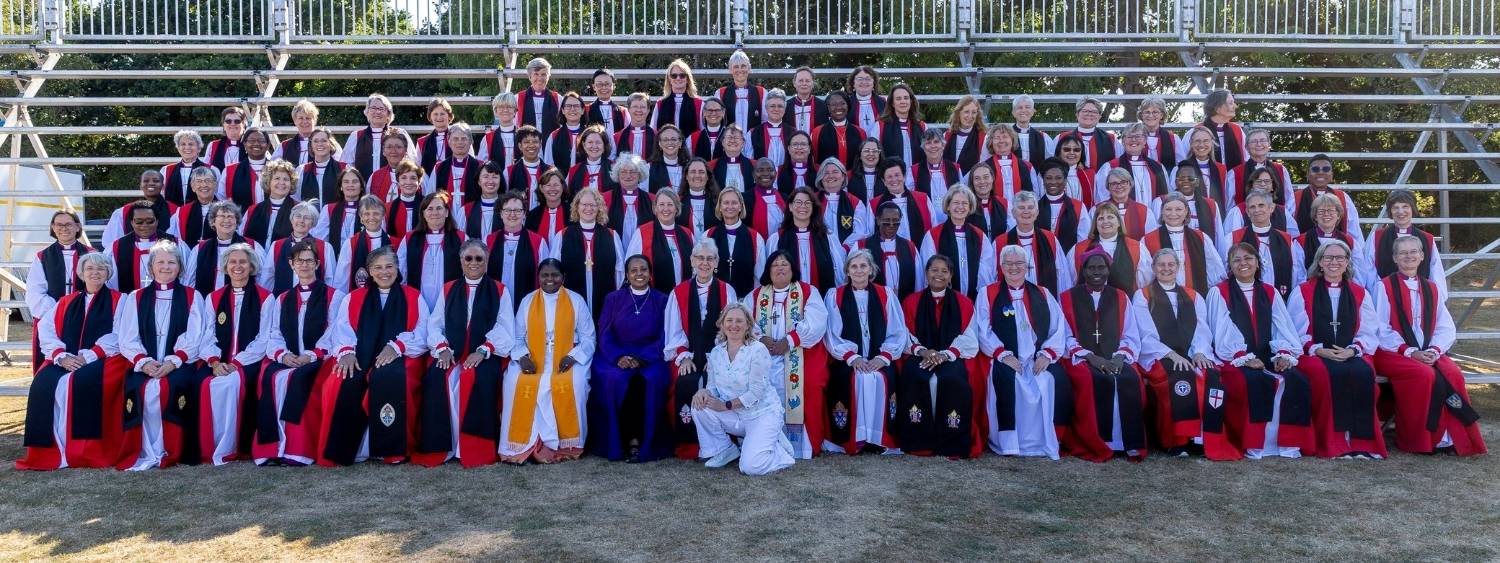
(167, 20)
(822, 19)
(1120, 19)
(1296, 19)
(336, 20)
(18, 19)
(624, 19)
(1456, 19)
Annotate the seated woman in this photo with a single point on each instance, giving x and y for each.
(1401, 206)
(664, 242)
(791, 319)
(161, 328)
(369, 407)
(1268, 401)
(692, 309)
(469, 330)
(700, 193)
(1020, 325)
(73, 411)
(1181, 356)
(547, 386)
(278, 260)
(739, 400)
(819, 257)
(1108, 391)
(1107, 234)
(428, 255)
(942, 343)
(350, 272)
(1433, 410)
(1339, 330)
(628, 403)
(298, 340)
(1281, 261)
(864, 340)
(963, 242)
(1203, 213)
(1198, 256)
(232, 357)
(203, 271)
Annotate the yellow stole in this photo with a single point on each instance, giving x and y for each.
(796, 371)
(523, 412)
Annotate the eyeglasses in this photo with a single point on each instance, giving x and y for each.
(510, 210)
(473, 258)
(233, 121)
(1409, 252)
(304, 260)
(1320, 168)
(1070, 149)
(1336, 259)
(678, 75)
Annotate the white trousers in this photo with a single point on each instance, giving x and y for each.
(764, 448)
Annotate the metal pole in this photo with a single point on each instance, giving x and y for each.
(1444, 209)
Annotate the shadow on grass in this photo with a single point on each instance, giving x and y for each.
(1408, 507)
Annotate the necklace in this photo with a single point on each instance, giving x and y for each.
(637, 305)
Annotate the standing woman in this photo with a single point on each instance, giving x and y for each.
(1080, 174)
(429, 254)
(837, 137)
(817, 254)
(1219, 110)
(1180, 357)
(864, 176)
(740, 252)
(1328, 213)
(1161, 145)
(161, 327)
(469, 331)
(625, 209)
(562, 143)
(595, 147)
(552, 215)
(298, 340)
(901, 126)
(481, 216)
(739, 400)
(791, 319)
(369, 406)
(204, 270)
(1340, 330)
(941, 345)
(798, 170)
(189, 222)
(240, 180)
(73, 409)
(270, 218)
(992, 215)
(320, 177)
(177, 176)
(277, 257)
(965, 244)
(401, 215)
(692, 310)
(667, 159)
(1203, 213)
(631, 380)
(665, 243)
(863, 97)
(592, 257)
(735, 169)
(232, 357)
(350, 272)
(679, 105)
(699, 197)
(54, 271)
(846, 216)
(917, 213)
(1401, 207)
(516, 251)
(1268, 404)
(1201, 267)
(1012, 173)
(1202, 144)
(704, 143)
(1136, 218)
(1107, 234)
(546, 386)
(965, 134)
(339, 218)
(866, 335)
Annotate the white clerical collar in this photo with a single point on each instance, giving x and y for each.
(1086, 130)
(733, 226)
(634, 291)
(373, 234)
(1175, 230)
(1259, 230)
(586, 224)
(1245, 286)
(1167, 286)
(782, 290)
(937, 292)
(473, 283)
(1109, 239)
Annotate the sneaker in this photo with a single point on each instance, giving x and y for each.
(723, 458)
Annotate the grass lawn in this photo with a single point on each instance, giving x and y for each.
(869, 507)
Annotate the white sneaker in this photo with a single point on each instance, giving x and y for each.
(723, 458)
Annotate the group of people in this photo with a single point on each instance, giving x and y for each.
(750, 275)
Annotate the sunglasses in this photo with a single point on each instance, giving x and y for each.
(678, 75)
(233, 121)
(472, 258)
(1321, 168)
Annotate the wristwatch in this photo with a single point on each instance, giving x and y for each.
(729, 405)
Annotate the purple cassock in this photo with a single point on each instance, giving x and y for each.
(630, 404)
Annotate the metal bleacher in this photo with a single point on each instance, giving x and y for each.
(1432, 45)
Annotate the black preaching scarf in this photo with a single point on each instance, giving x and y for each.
(416, 249)
(361, 249)
(474, 218)
(1166, 149)
(561, 145)
(921, 176)
(906, 279)
(839, 395)
(595, 115)
(786, 178)
(284, 279)
(736, 265)
(219, 156)
(1254, 320)
(524, 101)
(995, 222)
(464, 334)
(969, 156)
(948, 246)
(863, 190)
(206, 275)
(378, 324)
(1176, 331)
(241, 184)
(826, 142)
(1352, 382)
(702, 329)
(663, 276)
(843, 215)
(575, 271)
(1197, 268)
(891, 135)
(1230, 153)
(1004, 326)
(54, 269)
(1036, 144)
(261, 227)
(146, 313)
(578, 177)
(822, 256)
(387, 384)
(744, 168)
(938, 335)
(291, 150)
(1311, 240)
(1205, 216)
(427, 146)
(80, 329)
(328, 190)
(315, 321)
(1105, 322)
(1103, 145)
(1385, 252)
(754, 94)
(1067, 222)
(298, 341)
(684, 117)
(1044, 254)
(127, 263)
(685, 213)
(1443, 395)
(706, 144)
(1281, 257)
(616, 208)
(875, 315)
(177, 190)
(536, 216)
(336, 213)
(233, 338)
(523, 279)
(194, 225)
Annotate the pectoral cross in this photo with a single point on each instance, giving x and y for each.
(731, 262)
(1096, 337)
(1335, 324)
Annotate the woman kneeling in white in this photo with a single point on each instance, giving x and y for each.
(739, 401)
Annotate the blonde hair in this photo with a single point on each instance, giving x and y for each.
(590, 193)
(692, 84)
(750, 335)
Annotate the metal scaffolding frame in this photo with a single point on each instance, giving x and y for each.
(1195, 32)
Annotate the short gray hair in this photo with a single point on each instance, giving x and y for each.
(168, 247)
(706, 244)
(204, 173)
(187, 134)
(103, 260)
(629, 160)
(538, 64)
(867, 256)
(739, 57)
(776, 94)
(1014, 250)
(217, 207)
(309, 208)
(250, 254)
